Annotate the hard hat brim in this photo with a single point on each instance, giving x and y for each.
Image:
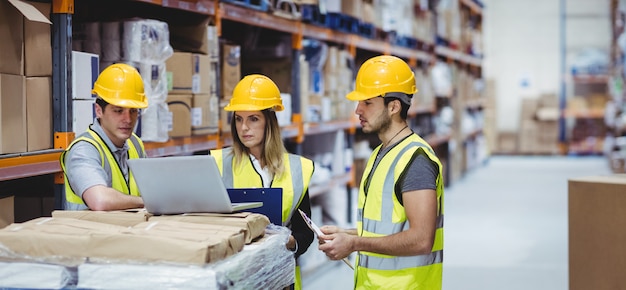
(248, 108)
(358, 96)
(129, 104)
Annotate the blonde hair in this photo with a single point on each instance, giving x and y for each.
(273, 147)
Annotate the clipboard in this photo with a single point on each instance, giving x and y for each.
(272, 199)
(319, 233)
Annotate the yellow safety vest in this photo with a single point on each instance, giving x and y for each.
(295, 181)
(136, 150)
(381, 214)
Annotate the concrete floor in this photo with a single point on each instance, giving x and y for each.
(505, 226)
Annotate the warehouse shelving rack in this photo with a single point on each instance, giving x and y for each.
(46, 162)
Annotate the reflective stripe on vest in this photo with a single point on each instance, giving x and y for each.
(390, 208)
(294, 184)
(118, 182)
(395, 263)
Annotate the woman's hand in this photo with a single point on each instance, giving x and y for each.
(291, 243)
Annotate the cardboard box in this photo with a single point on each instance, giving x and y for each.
(205, 114)
(217, 241)
(12, 35)
(125, 218)
(231, 69)
(7, 215)
(74, 240)
(37, 44)
(597, 239)
(85, 71)
(253, 224)
(352, 8)
(39, 113)
(12, 114)
(190, 73)
(278, 70)
(180, 107)
(18, 40)
(54, 238)
(190, 38)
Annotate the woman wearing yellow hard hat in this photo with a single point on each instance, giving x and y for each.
(258, 157)
(95, 168)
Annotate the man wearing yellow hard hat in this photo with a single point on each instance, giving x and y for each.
(94, 165)
(258, 157)
(399, 234)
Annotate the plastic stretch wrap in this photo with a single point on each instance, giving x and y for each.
(154, 121)
(36, 275)
(263, 265)
(154, 77)
(146, 41)
(266, 264)
(136, 276)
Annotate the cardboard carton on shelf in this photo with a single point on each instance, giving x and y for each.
(12, 114)
(25, 32)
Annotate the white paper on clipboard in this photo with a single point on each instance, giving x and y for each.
(319, 233)
(311, 224)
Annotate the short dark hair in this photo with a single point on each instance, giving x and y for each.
(404, 107)
(102, 103)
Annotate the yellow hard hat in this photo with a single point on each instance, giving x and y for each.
(121, 85)
(255, 93)
(380, 75)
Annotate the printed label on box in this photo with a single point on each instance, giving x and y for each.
(196, 116)
(195, 83)
(168, 121)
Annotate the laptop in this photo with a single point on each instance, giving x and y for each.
(183, 184)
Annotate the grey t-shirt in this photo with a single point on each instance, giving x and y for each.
(83, 165)
(421, 172)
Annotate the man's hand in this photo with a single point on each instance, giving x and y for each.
(331, 230)
(337, 246)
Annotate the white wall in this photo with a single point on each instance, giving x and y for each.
(522, 45)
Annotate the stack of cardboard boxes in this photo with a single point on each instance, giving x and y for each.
(25, 86)
(25, 78)
(539, 127)
(193, 90)
(115, 241)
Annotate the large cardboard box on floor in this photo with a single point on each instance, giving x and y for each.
(597, 235)
(12, 114)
